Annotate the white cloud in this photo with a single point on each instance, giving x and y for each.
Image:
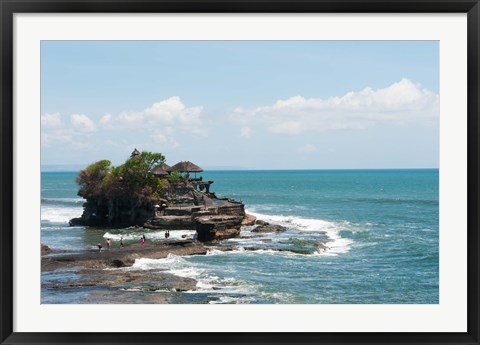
(165, 137)
(69, 135)
(51, 120)
(288, 127)
(246, 132)
(66, 137)
(171, 112)
(56, 136)
(307, 148)
(83, 123)
(105, 119)
(160, 122)
(398, 104)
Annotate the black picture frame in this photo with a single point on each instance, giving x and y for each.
(7, 175)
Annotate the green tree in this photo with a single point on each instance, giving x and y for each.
(131, 182)
(152, 159)
(175, 177)
(90, 179)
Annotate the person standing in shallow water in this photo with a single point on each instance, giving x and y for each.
(108, 244)
(142, 241)
(99, 245)
(121, 242)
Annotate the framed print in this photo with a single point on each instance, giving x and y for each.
(230, 172)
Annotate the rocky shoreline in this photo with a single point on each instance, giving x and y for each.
(103, 269)
(145, 193)
(119, 257)
(107, 270)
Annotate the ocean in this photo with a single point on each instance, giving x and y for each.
(380, 229)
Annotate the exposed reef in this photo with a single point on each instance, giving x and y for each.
(267, 227)
(120, 257)
(94, 268)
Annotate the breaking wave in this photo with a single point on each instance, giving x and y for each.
(336, 244)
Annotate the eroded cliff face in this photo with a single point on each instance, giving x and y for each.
(126, 212)
(104, 212)
(185, 208)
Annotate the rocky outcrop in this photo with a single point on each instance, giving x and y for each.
(249, 220)
(217, 219)
(170, 223)
(149, 281)
(184, 208)
(211, 228)
(267, 227)
(181, 211)
(100, 212)
(44, 249)
(90, 266)
(121, 257)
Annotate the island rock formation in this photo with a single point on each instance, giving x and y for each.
(145, 192)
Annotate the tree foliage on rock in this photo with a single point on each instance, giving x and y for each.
(130, 182)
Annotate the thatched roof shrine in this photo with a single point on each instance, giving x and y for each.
(160, 170)
(185, 166)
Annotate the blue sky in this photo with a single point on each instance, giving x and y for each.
(248, 104)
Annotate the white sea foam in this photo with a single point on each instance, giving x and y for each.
(233, 300)
(76, 201)
(170, 262)
(215, 252)
(242, 251)
(135, 234)
(334, 246)
(284, 297)
(126, 237)
(207, 281)
(59, 214)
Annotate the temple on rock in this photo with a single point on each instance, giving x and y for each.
(180, 202)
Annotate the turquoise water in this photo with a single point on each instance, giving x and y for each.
(380, 229)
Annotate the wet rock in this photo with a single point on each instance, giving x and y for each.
(181, 211)
(322, 247)
(149, 281)
(297, 251)
(261, 222)
(77, 222)
(269, 228)
(44, 249)
(249, 220)
(170, 222)
(121, 257)
(227, 233)
(210, 228)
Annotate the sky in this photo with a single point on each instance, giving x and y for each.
(242, 104)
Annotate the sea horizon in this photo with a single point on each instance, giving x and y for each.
(48, 167)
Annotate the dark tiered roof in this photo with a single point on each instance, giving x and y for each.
(135, 153)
